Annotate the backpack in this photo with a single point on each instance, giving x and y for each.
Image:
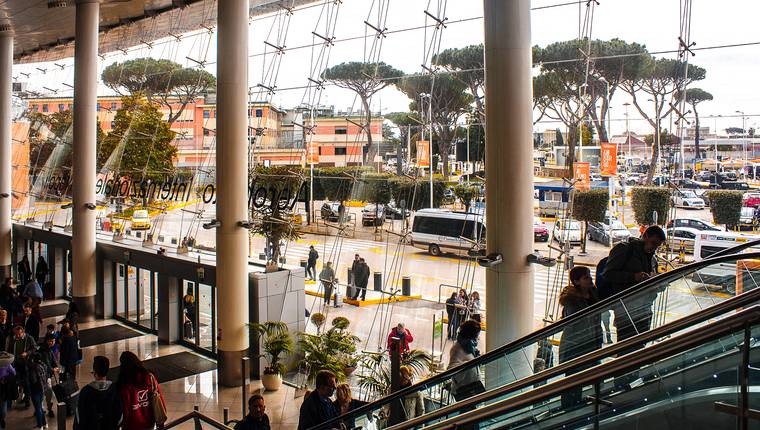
(605, 289)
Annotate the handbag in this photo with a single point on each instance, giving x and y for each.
(159, 410)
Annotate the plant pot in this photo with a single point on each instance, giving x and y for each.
(271, 382)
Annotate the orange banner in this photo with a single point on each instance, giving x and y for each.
(582, 176)
(423, 153)
(312, 153)
(609, 159)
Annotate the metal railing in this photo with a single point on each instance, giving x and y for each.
(740, 321)
(622, 347)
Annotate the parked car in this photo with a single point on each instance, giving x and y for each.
(747, 220)
(141, 220)
(734, 185)
(540, 232)
(566, 230)
(682, 235)
(330, 211)
(751, 200)
(688, 199)
(688, 184)
(602, 231)
(395, 212)
(694, 223)
(373, 215)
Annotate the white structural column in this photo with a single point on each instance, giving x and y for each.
(6, 163)
(85, 146)
(509, 169)
(232, 187)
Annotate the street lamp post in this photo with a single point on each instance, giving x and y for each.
(744, 140)
(430, 137)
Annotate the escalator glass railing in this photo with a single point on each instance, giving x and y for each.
(656, 335)
(704, 378)
(650, 304)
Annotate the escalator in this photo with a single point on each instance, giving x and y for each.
(706, 378)
(675, 301)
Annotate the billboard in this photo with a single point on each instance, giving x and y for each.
(582, 173)
(423, 153)
(608, 164)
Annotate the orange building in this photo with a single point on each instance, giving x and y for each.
(20, 156)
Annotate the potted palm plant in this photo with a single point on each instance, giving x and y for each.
(276, 342)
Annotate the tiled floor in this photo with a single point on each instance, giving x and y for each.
(369, 323)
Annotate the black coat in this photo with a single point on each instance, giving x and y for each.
(313, 256)
(625, 260)
(362, 278)
(32, 327)
(315, 411)
(584, 335)
(69, 350)
(248, 423)
(99, 407)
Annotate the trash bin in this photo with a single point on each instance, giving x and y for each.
(378, 281)
(406, 286)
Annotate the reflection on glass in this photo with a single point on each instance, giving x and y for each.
(144, 291)
(120, 292)
(189, 324)
(205, 329)
(132, 294)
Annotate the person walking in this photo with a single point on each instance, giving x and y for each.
(474, 307)
(352, 290)
(48, 356)
(69, 354)
(24, 270)
(8, 385)
(345, 403)
(327, 277)
(41, 271)
(403, 335)
(38, 374)
(628, 264)
(453, 314)
(317, 406)
(135, 383)
(582, 336)
(256, 419)
(99, 405)
(311, 263)
(21, 346)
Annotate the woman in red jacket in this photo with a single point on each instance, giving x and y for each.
(135, 384)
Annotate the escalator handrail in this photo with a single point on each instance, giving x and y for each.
(535, 335)
(735, 249)
(648, 355)
(721, 308)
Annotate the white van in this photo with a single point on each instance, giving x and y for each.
(439, 231)
(723, 275)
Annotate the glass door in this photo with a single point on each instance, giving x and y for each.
(120, 308)
(132, 297)
(206, 320)
(189, 312)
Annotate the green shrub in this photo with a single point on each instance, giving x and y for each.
(590, 205)
(416, 193)
(465, 194)
(647, 200)
(725, 205)
(376, 187)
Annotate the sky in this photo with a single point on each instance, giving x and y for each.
(731, 73)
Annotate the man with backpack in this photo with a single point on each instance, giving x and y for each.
(99, 405)
(628, 264)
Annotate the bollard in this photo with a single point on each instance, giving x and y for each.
(406, 286)
(60, 415)
(226, 415)
(378, 281)
(302, 263)
(246, 372)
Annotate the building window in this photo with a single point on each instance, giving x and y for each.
(206, 114)
(61, 107)
(97, 107)
(71, 106)
(319, 150)
(259, 113)
(35, 108)
(341, 130)
(340, 151)
(44, 107)
(113, 105)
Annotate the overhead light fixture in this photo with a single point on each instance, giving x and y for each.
(55, 4)
(67, 206)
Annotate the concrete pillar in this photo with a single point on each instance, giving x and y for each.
(509, 169)
(6, 159)
(232, 188)
(169, 297)
(85, 128)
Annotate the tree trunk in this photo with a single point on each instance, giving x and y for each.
(653, 161)
(599, 125)
(572, 138)
(371, 150)
(696, 133)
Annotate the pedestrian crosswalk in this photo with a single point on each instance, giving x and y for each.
(331, 249)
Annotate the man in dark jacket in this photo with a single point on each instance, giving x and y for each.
(628, 264)
(21, 346)
(99, 405)
(362, 279)
(256, 419)
(311, 263)
(352, 290)
(317, 408)
(31, 323)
